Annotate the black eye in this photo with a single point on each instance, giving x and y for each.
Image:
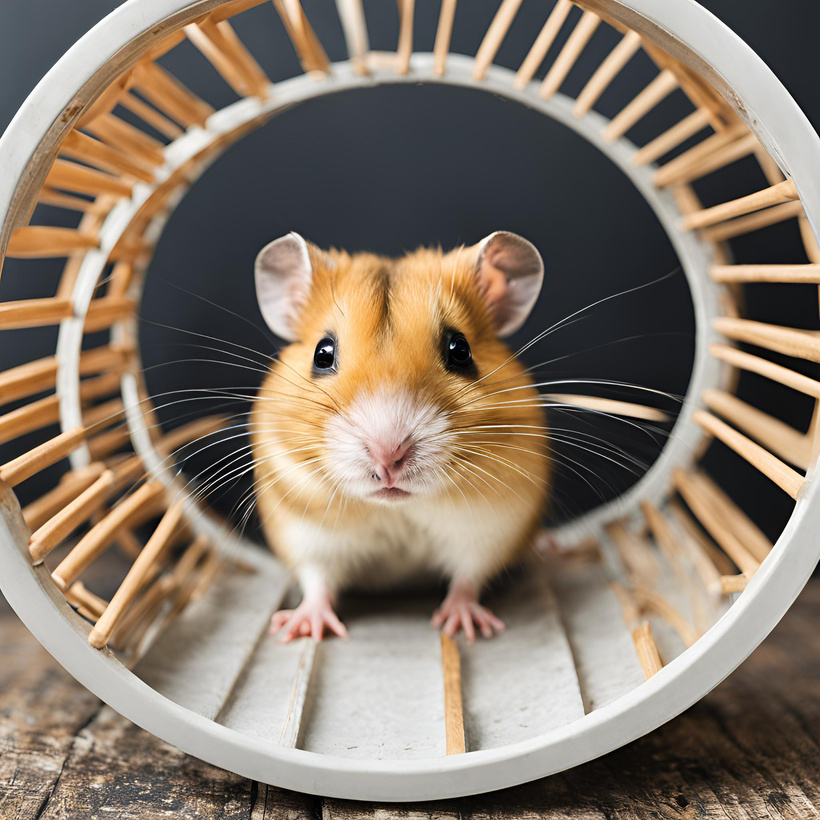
(324, 357)
(457, 352)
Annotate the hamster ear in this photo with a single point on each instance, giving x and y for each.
(510, 272)
(283, 274)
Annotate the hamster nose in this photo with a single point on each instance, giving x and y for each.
(389, 461)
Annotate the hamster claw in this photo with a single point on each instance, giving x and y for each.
(308, 620)
(461, 610)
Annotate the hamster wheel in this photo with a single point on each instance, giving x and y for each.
(680, 584)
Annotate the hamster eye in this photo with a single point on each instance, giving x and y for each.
(324, 357)
(457, 352)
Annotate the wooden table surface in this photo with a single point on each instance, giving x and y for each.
(750, 749)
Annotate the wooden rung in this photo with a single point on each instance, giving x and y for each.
(541, 46)
(187, 433)
(775, 435)
(789, 480)
(99, 386)
(128, 139)
(105, 102)
(185, 575)
(34, 313)
(653, 601)
(710, 517)
(790, 274)
(495, 35)
(640, 561)
(103, 415)
(782, 192)
(129, 630)
(102, 313)
(234, 7)
(571, 51)
(28, 379)
(68, 176)
(226, 52)
(612, 65)
(42, 242)
(29, 417)
(763, 367)
(308, 48)
(146, 562)
(444, 32)
(70, 486)
(100, 536)
(747, 531)
(52, 533)
(298, 696)
(708, 155)
(78, 595)
(354, 26)
(105, 444)
(810, 243)
(645, 646)
(151, 116)
(87, 149)
(453, 709)
(106, 357)
(57, 199)
(660, 88)
(802, 344)
(672, 138)
(48, 453)
(613, 406)
(211, 567)
(733, 583)
(647, 650)
(709, 561)
(754, 222)
(404, 49)
(169, 95)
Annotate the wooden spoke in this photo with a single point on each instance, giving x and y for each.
(638, 558)
(789, 480)
(87, 149)
(151, 116)
(39, 241)
(753, 222)
(645, 647)
(444, 32)
(707, 560)
(308, 48)
(803, 344)
(127, 139)
(102, 313)
(169, 95)
(453, 710)
(613, 406)
(542, 44)
(48, 453)
(660, 88)
(782, 192)
(69, 487)
(614, 63)
(354, 25)
(142, 501)
(763, 367)
(712, 153)
(571, 51)
(146, 562)
(33, 416)
(228, 55)
(69, 176)
(405, 45)
(775, 435)
(672, 138)
(34, 313)
(494, 37)
(796, 274)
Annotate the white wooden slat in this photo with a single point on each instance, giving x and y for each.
(271, 687)
(604, 654)
(199, 656)
(380, 693)
(522, 682)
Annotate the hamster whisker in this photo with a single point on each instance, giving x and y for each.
(483, 452)
(562, 322)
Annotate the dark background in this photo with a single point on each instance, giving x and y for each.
(390, 168)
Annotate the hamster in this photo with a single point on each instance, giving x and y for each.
(397, 435)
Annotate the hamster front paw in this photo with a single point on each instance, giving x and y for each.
(308, 620)
(461, 610)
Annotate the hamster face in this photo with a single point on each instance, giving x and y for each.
(389, 391)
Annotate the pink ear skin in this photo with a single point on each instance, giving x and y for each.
(283, 274)
(510, 273)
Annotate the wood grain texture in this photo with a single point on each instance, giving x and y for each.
(747, 750)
